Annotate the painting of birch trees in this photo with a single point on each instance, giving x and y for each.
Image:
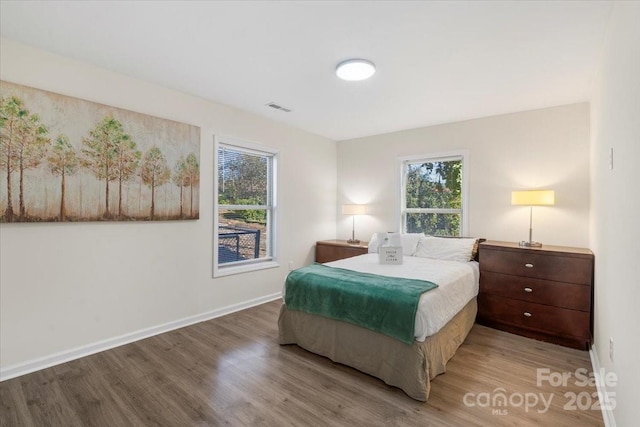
(67, 159)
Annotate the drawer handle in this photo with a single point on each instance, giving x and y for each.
(528, 265)
(528, 290)
(527, 314)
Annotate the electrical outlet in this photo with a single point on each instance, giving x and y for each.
(611, 349)
(290, 265)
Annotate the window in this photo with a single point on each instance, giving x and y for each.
(244, 215)
(434, 195)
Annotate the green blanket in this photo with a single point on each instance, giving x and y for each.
(383, 304)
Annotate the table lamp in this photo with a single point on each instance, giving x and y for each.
(532, 198)
(354, 210)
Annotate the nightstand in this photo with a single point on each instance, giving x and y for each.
(542, 293)
(333, 250)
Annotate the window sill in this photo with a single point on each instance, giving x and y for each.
(239, 269)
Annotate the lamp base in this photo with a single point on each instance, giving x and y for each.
(353, 241)
(530, 244)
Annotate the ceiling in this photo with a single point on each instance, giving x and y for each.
(437, 62)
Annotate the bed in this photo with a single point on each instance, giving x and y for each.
(443, 319)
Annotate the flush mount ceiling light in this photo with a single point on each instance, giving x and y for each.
(355, 69)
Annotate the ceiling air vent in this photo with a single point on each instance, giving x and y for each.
(278, 107)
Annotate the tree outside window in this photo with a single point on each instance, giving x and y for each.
(432, 196)
(245, 193)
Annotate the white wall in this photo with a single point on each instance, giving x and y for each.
(545, 149)
(615, 208)
(65, 286)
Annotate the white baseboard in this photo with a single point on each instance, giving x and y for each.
(86, 350)
(601, 387)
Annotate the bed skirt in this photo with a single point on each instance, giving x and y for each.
(408, 367)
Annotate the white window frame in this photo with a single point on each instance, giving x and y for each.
(436, 157)
(270, 261)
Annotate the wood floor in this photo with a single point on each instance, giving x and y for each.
(231, 371)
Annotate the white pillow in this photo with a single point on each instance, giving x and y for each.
(376, 240)
(408, 241)
(394, 239)
(447, 248)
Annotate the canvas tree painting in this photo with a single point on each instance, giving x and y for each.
(67, 159)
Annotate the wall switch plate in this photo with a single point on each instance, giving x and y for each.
(611, 349)
(611, 158)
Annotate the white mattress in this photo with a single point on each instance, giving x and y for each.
(458, 283)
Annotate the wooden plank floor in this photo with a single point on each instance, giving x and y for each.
(231, 371)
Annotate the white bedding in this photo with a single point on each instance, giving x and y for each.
(458, 283)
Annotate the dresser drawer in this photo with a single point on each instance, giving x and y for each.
(535, 317)
(527, 263)
(559, 294)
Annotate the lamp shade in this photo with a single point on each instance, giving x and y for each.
(533, 197)
(354, 209)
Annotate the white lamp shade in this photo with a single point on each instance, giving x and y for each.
(533, 197)
(354, 209)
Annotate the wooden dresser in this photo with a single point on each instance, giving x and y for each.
(333, 250)
(543, 293)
